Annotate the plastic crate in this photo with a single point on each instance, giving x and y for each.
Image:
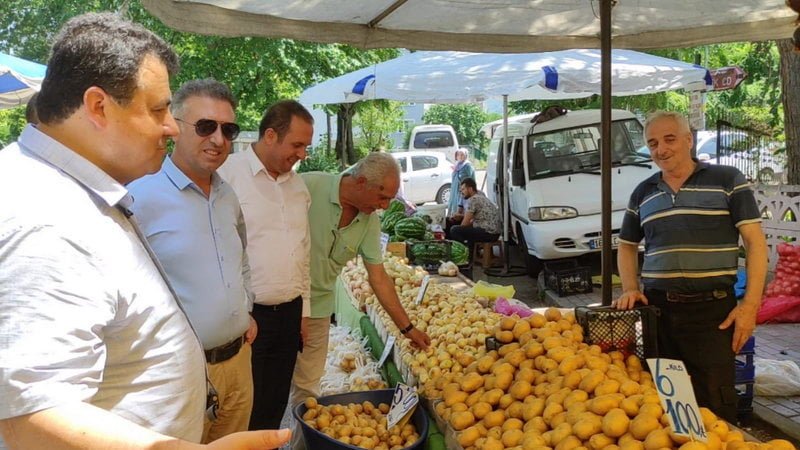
(316, 440)
(632, 331)
(745, 369)
(567, 278)
(749, 347)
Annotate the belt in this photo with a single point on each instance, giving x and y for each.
(695, 297)
(225, 351)
(277, 307)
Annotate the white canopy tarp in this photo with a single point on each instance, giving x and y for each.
(19, 80)
(483, 25)
(450, 77)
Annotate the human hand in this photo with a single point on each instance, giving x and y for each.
(419, 339)
(628, 299)
(304, 329)
(252, 331)
(252, 440)
(743, 318)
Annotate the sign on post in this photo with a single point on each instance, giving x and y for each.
(384, 242)
(677, 397)
(727, 77)
(422, 288)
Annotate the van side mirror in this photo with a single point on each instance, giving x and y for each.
(518, 177)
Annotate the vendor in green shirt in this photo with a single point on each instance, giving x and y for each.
(343, 225)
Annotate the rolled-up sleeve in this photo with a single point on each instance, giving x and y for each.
(53, 312)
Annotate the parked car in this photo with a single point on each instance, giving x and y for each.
(425, 175)
(440, 138)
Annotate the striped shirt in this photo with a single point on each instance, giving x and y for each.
(691, 236)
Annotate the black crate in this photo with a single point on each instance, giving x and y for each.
(632, 331)
(567, 278)
(744, 404)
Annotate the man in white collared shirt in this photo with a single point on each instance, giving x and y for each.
(275, 204)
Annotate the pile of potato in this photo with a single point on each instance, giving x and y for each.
(546, 389)
(359, 424)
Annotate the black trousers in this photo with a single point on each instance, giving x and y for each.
(471, 235)
(274, 355)
(690, 332)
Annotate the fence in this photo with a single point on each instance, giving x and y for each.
(780, 207)
(750, 151)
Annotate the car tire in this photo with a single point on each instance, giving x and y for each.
(533, 265)
(443, 196)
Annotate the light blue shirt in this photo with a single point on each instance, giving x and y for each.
(85, 314)
(200, 242)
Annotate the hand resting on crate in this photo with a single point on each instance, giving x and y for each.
(628, 299)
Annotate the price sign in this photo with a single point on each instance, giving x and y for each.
(403, 403)
(422, 288)
(386, 350)
(677, 397)
(384, 242)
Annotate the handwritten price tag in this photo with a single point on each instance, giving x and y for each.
(384, 242)
(403, 403)
(677, 397)
(422, 288)
(386, 350)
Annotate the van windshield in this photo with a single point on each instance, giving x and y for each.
(433, 139)
(577, 150)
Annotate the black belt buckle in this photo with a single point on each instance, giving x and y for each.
(225, 351)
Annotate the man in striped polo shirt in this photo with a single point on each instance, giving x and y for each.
(691, 216)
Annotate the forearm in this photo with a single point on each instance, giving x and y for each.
(383, 287)
(756, 263)
(628, 266)
(83, 426)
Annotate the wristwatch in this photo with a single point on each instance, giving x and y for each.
(407, 329)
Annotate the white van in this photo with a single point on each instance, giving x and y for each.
(440, 138)
(554, 181)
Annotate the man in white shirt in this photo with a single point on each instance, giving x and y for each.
(275, 204)
(95, 352)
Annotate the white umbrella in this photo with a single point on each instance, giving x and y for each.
(19, 80)
(450, 77)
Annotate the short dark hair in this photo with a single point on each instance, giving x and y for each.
(470, 183)
(279, 117)
(207, 87)
(30, 110)
(97, 49)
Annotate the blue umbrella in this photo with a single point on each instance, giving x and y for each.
(19, 80)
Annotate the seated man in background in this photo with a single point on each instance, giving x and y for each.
(481, 222)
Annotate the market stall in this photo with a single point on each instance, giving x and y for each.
(542, 386)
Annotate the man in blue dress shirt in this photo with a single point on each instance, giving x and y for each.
(193, 221)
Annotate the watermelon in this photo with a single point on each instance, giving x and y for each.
(459, 253)
(424, 217)
(396, 238)
(428, 236)
(411, 227)
(395, 206)
(390, 219)
(429, 251)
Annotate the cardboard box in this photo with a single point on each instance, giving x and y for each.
(397, 249)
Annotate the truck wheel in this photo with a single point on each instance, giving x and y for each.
(532, 264)
(443, 196)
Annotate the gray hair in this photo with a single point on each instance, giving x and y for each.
(679, 118)
(375, 167)
(207, 87)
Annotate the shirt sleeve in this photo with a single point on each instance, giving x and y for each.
(370, 247)
(52, 322)
(742, 204)
(631, 231)
(241, 230)
(306, 262)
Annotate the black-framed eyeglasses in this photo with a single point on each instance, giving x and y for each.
(206, 127)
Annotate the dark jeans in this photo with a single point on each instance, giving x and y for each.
(274, 354)
(689, 332)
(471, 235)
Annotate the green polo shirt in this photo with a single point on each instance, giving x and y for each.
(331, 246)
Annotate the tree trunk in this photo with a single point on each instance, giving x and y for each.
(328, 133)
(345, 151)
(790, 86)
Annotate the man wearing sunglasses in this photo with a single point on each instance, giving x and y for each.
(275, 205)
(193, 221)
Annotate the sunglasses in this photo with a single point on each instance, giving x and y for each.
(207, 127)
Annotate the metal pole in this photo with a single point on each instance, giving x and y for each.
(505, 183)
(607, 263)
